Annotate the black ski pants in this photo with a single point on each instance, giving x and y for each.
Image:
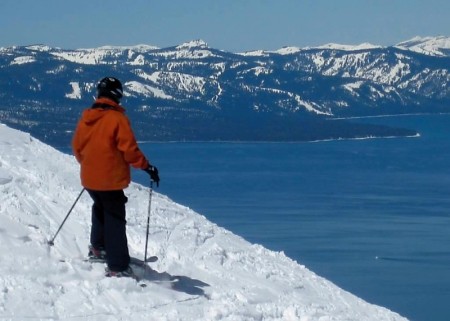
(108, 229)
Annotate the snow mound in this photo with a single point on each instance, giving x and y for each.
(220, 276)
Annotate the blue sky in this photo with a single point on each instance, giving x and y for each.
(232, 25)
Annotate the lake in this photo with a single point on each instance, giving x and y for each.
(372, 216)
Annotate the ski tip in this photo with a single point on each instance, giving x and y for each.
(151, 259)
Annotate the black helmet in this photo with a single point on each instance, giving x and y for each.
(110, 87)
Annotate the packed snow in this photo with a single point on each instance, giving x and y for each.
(204, 272)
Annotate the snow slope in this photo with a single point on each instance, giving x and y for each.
(220, 275)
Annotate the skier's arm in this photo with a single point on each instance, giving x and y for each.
(76, 146)
(126, 143)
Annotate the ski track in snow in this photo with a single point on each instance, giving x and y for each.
(220, 276)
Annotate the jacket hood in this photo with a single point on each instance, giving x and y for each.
(99, 109)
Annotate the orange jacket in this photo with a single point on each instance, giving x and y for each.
(105, 147)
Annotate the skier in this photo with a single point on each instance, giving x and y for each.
(105, 146)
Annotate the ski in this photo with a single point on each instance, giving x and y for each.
(133, 260)
(143, 274)
(137, 261)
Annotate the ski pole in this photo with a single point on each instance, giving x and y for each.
(148, 219)
(52, 241)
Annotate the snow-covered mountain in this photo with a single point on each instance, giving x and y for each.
(194, 92)
(433, 46)
(220, 276)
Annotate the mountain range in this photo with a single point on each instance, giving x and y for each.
(192, 92)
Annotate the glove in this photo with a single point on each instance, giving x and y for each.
(153, 172)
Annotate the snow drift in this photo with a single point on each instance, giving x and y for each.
(220, 276)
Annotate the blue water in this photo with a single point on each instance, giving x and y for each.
(372, 216)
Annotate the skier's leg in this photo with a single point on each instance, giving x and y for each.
(97, 236)
(116, 243)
